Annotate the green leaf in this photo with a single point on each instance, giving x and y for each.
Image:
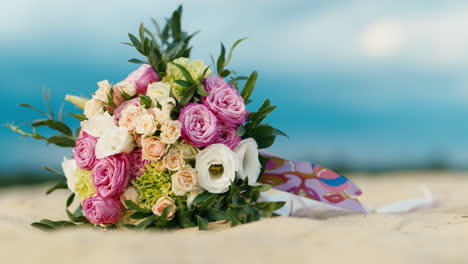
(49, 169)
(202, 77)
(185, 222)
(141, 31)
(80, 117)
(35, 109)
(231, 50)
(187, 96)
(221, 59)
(233, 217)
(70, 199)
(62, 141)
(137, 61)
(208, 203)
(134, 41)
(241, 131)
(184, 83)
(249, 86)
(175, 24)
(214, 214)
(201, 90)
(133, 206)
(55, 125)
(201, 197)
(166, 211)
(145, 223)
(278, 132)
(269, 206)
(225, 73)
(145, 101)
(202, 223)
(140, 215)
(42, 226)
(185, 72)
(57, 186)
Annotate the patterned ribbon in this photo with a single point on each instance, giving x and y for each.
(312, 181)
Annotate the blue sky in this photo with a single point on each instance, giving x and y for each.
(363, 81)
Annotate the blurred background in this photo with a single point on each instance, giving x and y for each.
(361, 85)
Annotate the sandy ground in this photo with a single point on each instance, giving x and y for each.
(433, 236)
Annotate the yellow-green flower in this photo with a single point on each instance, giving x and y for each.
(84, 187)
(195, 67)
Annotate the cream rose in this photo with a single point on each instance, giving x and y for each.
(173, 160)
(115, 140)
(102, 94)
(216, 166)
(128, 88)
(153, 148)
(158, 91)
(130, 116)
(97, 125)
(146, 125)
(130, 193)
(249, 165)
(160, 115)
(93, 107)
(161, 204)
(170, 131)
(185, 180)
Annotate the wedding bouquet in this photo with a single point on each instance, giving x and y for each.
(174, 146)
(171, 145)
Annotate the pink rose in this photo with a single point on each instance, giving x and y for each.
(126, 86)
(161, 204)
(118, 110)
(137, 163)
(111, 175)
(228, 136)
(227, 104)
(102, 211)
(214, 82)
(144, 76)
(199, 125)
(84, 151)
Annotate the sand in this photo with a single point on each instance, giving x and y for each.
(437, 235)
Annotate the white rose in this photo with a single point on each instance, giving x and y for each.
(97, 125)
(173, 160)
(168, 104)
(247, 154)
(158, 91)
(184, 181)
(102, 94)
(69, 167)
(127, 87)
(146, 125)
(115, 140)
(130, 193)
(76, 100)
(170, 131)
(188, 151)
(216, 166)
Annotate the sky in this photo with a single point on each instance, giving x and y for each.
(369, 83)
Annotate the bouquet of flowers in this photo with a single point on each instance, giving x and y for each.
(171, 145)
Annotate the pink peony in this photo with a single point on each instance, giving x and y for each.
(102, 211)
(118, 110)
(144, 76)
(227, 104)
(228, 136)
(84, 151)
(199, 125)
(214, 82)
(111, 175)
(137, 163)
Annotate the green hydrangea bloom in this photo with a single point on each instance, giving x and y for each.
(195, 67)
(84, 187)
(153, 184)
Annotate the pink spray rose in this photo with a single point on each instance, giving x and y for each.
(102, 211)
(84, 151)
(199, 125)
(228, 136)
(144, 76)
(111, 175)
(227, 104)
(137, 163)
(215, 82)
(120, 108)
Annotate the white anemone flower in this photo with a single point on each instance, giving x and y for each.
(216, 166)
(247, 154)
